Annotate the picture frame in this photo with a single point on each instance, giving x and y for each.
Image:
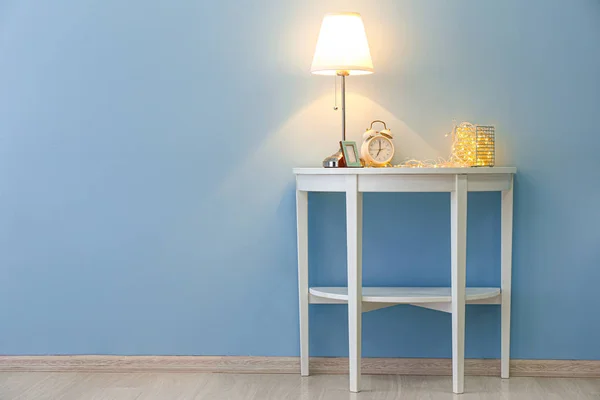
(350, 152)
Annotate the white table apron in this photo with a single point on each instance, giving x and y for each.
(457, 181)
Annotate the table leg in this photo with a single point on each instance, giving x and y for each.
(459, 267)
(506, 263)
(302, 226)
(354, 245)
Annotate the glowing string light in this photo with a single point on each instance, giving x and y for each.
(471, 146)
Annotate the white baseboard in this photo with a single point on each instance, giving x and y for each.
(291, 365)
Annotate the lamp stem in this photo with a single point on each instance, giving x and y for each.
(337, 159)
(343, 106)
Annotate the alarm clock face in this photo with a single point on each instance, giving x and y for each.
(381, 149)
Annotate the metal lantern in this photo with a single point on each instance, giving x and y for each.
(473, 145)
(485, 147)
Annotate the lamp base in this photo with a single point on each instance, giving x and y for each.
(335, 160)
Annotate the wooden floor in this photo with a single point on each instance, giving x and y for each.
(176, 386)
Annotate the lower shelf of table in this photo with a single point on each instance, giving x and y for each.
(437, 298)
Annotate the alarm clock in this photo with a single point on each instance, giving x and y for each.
(377, 149)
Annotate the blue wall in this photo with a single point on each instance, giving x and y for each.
(147, 199)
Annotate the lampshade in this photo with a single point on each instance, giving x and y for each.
(342, 46)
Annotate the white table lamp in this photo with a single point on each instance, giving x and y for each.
(342, 50)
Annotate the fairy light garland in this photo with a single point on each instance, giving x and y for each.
(464, 145)
(471, 146)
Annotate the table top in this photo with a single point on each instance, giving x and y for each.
(405, 171)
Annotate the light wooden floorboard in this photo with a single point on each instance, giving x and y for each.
(176, 386)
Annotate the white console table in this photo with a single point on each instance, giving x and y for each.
(354, 182)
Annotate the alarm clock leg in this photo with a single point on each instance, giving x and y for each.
(459, 266)
(303, 291)
(354, 245)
